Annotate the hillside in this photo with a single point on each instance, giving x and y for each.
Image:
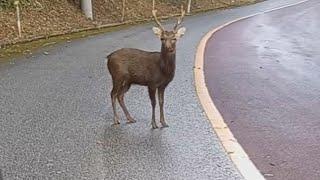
(48, 17)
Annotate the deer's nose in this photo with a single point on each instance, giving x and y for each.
(170, 48)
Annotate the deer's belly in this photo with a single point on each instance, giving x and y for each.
(151, 82)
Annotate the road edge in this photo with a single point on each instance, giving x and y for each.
(235, 151)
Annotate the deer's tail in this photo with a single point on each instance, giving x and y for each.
(109, 56)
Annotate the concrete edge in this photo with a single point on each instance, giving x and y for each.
(235, 151)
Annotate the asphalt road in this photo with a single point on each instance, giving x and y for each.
(263, 75)
(56, 116)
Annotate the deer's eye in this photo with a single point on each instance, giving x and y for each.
(162, 39)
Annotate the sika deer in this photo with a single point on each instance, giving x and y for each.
(153, 69)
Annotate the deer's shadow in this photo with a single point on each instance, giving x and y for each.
(135, 145)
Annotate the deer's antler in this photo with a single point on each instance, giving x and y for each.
(154, 13)
(180, 19)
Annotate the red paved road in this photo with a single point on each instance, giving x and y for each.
(263, 74)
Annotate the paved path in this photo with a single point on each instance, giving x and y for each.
(263, 75)
(55, 113)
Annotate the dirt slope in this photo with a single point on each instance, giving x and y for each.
(47, 17)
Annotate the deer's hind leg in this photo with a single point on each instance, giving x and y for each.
(123, 89)
(114, 94)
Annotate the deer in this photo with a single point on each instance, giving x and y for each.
(128, 66)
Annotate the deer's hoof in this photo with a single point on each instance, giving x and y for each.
(164, 125)
(131, 121)
(154, 126)
(116, 123)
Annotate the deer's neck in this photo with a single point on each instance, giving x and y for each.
(168, 61)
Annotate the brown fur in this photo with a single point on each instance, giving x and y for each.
(153, 69)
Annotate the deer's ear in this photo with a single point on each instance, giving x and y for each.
(157, 31)
(180, 32)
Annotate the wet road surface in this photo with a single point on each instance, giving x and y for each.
(56, 115)
(263, 75)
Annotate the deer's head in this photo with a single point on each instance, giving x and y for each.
(169, 38)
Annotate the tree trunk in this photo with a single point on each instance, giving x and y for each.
(123, 9)
(16, 3)
(86, 7)
(153, 4)
(189, 6)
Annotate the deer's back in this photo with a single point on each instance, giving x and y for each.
(138, 66)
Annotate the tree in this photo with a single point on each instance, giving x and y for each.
(16, 3)
(153, 4)
(189, 7)
(123, 10)
(86, 6)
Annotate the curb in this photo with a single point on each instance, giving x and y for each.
(235, 151)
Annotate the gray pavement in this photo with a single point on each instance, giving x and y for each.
(263, 75)
(55, 113)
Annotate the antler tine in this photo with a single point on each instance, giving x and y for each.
(179, 21)
(154, 13)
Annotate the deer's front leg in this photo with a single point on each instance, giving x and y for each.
(152, 95)
(161, 102)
